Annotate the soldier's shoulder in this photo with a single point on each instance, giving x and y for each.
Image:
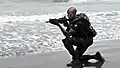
(82, 15)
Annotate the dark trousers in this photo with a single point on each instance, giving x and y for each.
(80, 43)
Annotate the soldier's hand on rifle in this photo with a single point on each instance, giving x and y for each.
(54, 22)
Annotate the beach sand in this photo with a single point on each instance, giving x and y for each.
(109, 50)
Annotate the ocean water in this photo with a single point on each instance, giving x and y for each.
(23, 29)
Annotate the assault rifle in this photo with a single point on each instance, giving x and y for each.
(56, 22)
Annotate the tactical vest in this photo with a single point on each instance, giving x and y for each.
(89, 30)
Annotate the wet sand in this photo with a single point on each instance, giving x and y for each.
(110, 51)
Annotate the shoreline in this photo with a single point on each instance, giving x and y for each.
(59, 59)
(35, 53)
